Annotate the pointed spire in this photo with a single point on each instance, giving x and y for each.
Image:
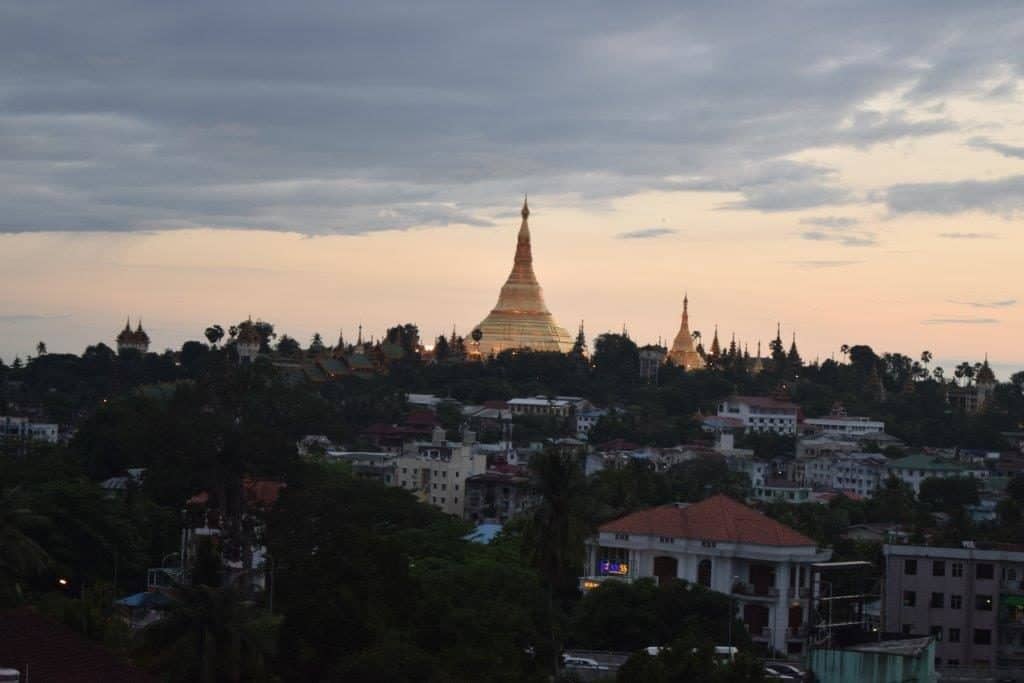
(359, 340)
(526, 208)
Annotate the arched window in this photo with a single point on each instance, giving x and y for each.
(704, 573)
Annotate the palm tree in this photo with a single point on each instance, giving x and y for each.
(21, 557)
(209, 634)
(554, 533)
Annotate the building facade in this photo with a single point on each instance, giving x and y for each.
(761, 414)
(22, 428)
(970, 600)
(724, 546)
(914, 469)
(436, 472)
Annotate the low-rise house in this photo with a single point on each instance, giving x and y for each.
(722, 545)
(23, 428)
(375, 465)
(782, 490)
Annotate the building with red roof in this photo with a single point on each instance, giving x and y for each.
(722, 545)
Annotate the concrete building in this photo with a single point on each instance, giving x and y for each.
(497, 496)
(722, 545)
(860, 473)
(24, 429)
(761, 414)
(545, 407)
(844, 426)
(585, 421)
(907, 660)
(970, 600)
(914, 469)
(651, 357)
(436, 472)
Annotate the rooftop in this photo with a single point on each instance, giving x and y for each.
(718, 518)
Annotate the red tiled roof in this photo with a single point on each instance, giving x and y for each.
(617, 445)
(765, 402)
(262, 492)
(421, 418)
(718, 518)
(44, 650)
(498, 405)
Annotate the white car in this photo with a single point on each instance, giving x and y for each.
(582, 663)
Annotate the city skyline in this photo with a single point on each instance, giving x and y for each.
(854, 172)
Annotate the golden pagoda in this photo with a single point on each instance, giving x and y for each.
(520, 319)
(682, 353)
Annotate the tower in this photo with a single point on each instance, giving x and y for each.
(682, 353)
(521, 319)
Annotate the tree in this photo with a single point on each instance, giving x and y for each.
(947, 494)
(22, 557)
(286, 346)
(441, 348)
(316, 345)
(209, 634)
(214, 333)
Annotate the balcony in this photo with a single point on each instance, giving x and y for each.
(748, 590)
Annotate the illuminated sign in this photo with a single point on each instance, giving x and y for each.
(590, 584)
(616, 568)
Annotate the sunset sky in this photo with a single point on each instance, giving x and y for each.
(853, 170)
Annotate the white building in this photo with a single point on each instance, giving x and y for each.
(436, 472)
(761, 414)
(722, 545)
(860, 473)
(586, 420)
(844, 426)
(914, 469)
(23, 428)
(547, 407)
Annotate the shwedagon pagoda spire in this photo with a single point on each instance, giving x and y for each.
(682, 352)
(520, 319)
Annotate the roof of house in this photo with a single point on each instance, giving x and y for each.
(920, 461)
(765, 402)
(718, 518)
(49, 651)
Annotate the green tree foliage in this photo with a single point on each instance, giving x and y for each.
(948, 494)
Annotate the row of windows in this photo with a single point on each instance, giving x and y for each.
(938, 601)
(982, 636)
(441, 473)
(982, 570)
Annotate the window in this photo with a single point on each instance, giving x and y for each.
(621, 537)
(938, 601)
(666, 539)
(909, 598)
(704, 573)
(982, 636)
(952, 662)
(983, 603)
(954, 635)
(956, 601)
(910, 567)
(956, 569)
(908, 629)
(938, 568)
(984, 570)
(936, 632)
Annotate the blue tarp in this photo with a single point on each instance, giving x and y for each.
(146, 600)
(484, 533)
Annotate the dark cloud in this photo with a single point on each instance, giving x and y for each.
(646, 233)
(342, 117)
(968, 235)
(1013, 151)
(837, 229)
(1004, 196)
(960, 321)
(1004, 303)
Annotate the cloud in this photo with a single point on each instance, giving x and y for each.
(1003, 303)
(1013, 151)
(646, 233)
(830, 221)
(824, 263)
(960, 321)
(1003, 196)
(968, 235)
(837, 229)
(263, 118)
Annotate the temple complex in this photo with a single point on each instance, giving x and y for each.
(682, 353)
(136, 340)
(520, 319)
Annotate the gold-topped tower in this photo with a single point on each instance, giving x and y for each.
(682, 353)
(520, 319)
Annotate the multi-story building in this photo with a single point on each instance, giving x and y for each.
(970, 600)
(436, 471)
(722, 545)
(497, 496)
(546, 407)
(585, 421)
(844, 426)
(23, 428)
(651, 357)
(859, 473)
(761, 414)
(914, 469)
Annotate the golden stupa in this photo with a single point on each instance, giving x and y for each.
(682, 353)
(520, 319)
